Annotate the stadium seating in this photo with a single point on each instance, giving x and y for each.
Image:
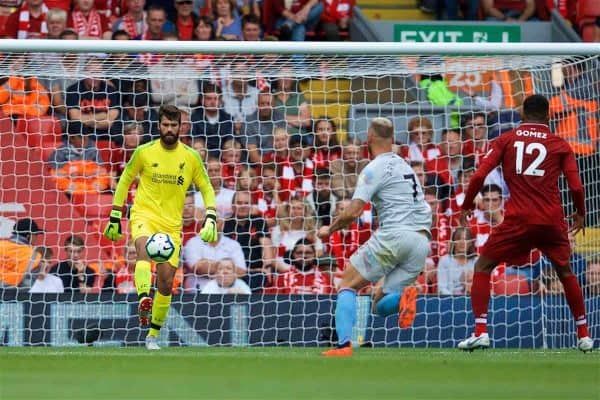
(587, 12)
(42, 133)
(23, 181)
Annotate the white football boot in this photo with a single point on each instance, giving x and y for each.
(475, 342)
(585, 344)
(152, 343)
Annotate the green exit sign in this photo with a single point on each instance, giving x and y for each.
(442, 33)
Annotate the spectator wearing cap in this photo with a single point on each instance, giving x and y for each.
(345, 170)
(259, 126)
(185, 20)
(210, 121)
(18, 258)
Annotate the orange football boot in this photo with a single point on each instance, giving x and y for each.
(407, 310)
(345, 351)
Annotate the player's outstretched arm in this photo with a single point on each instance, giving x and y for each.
(344, 219)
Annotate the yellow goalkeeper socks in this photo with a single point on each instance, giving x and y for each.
(143, 277)
(160, 309)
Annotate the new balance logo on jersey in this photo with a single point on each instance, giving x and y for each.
(155, 165)
(180, 180)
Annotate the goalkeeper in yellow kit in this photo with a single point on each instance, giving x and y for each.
(166, 168)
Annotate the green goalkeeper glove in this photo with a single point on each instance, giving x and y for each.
(113, 228)
(208, 233)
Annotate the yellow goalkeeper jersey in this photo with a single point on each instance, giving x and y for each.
(164, 178)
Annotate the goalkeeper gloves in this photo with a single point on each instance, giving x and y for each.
(113, 228)
(208, 233)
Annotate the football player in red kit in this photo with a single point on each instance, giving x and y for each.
(532, 159)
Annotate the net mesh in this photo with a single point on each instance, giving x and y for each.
(289, 131)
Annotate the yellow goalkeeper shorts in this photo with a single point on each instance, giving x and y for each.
(145, 227)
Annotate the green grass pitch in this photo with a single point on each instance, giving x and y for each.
(296, 373)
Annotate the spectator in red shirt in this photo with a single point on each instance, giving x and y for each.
(489, 215)
(296, 17)
(88, 22)
(57, 23)
(343, 243)
(452, 157)
(281, 147)
(458, 197)
(304, 275)
(231, 157)
(440, 234)
(327, 147)
(185, 20)
(336, 18)
(297, 171)
(509, 10)
(474, 135)
(421, 148)
(28, 22)
(270, 190)
(133, 21)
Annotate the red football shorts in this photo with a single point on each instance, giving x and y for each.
(512, 242)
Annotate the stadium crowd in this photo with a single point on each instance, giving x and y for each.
(279, 171)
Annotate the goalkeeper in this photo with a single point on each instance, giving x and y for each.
(166, 168)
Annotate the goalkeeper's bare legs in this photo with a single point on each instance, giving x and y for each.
(143, 280)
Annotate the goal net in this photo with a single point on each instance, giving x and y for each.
(283, 140)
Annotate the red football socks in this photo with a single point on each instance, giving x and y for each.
(480, 298)
(575, 300)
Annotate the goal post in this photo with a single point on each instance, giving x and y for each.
(286, 124)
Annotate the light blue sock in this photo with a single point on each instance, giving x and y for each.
(345, 314)
(388, 304)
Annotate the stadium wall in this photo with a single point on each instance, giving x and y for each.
(262, 320)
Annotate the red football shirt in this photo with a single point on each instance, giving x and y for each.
(532, 159)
